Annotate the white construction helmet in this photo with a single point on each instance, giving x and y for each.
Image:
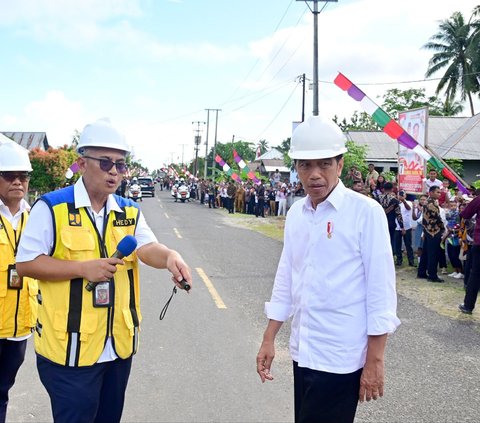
(14, 157)
(317, 138)
(102, 134)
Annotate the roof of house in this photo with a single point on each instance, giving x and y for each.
(448, 137)
(271, 154)
(29, 140)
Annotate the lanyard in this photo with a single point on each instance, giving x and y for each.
(17, 240)
(101, 237)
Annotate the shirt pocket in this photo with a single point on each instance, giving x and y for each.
(6, 257)
(79, 243)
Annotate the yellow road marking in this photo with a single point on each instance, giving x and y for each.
(213, 292)
(177, 233)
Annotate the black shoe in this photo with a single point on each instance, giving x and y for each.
(437, 279)
(412, 264)
(464, 310)
(422, 277)
(398, 263)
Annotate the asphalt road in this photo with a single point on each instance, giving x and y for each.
(198, 364)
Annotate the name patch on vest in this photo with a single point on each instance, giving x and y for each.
(124, 222)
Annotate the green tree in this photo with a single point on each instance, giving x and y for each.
(359, 121)
(355, 156)
(225, 151)
(453, 45)
(263, 144)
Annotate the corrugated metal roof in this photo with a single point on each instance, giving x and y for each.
(449, 137)
(29, 140)
(272, 154)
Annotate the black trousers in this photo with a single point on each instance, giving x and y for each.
(322, 397)
(12, 354)
(473, 282)
(407, 239)
(430, 254)
(86, 394)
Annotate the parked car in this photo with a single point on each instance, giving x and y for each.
(146, 185)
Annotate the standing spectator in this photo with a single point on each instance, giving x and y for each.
(251, 203)
(260, 206)
(276, 178)
(473, 283)
(85, 339)
(445, 195)
(378, 190)
(391, 206)
(272, 193)
(406, 234)
(417, 216)
(212, 194)
(18, 303)
(240, 199)
(231, 192)
(282, 201)
(433, 229)
(337, 279)
(432, 181)
(371, 177)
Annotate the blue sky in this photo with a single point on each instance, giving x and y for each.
(154, 66)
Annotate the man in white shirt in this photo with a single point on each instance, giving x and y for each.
(431, 181)
(89, 305)
(406, 234)
(336, 277)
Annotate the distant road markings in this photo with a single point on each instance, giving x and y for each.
(166, 215)
(213, 292)
(177, 233)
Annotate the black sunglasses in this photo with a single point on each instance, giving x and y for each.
(11, 176)
(107, 164)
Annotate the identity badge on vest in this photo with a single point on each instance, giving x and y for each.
(102, 294)
(14, 280)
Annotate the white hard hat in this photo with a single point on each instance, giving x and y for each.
(14, 157)
(317, 138)
(102, 134)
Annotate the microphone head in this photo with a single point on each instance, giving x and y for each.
(127, 245)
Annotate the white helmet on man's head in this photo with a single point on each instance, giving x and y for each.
(317, 138)
(14, 157)
(102, 134)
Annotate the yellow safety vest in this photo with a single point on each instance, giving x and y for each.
(70, 330)
(18, 307)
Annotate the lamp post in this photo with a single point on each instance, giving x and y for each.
(197, 140)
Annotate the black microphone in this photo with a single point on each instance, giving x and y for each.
(185, 285)
(124, 248)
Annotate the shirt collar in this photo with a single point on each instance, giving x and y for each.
(5, 211)
(335, 198)
(82, 198)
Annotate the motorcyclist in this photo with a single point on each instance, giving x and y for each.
(134, 186)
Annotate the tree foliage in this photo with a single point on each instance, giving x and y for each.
(359, 121)
(355, 156)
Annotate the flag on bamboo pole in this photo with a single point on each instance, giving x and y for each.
(227, 169)
(245, 169)
(394, 130)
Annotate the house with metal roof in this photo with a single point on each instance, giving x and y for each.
(448, 137)
(268, 163)
(29, 140)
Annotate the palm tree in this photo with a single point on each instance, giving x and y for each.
(453, 45)
(263, 144)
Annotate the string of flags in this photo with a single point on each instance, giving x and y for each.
(394, 130)
(227, 169)
(244, 168)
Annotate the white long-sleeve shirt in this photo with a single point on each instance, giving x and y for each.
(336, 277)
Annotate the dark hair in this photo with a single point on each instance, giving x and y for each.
(387, 186)
(433, 188)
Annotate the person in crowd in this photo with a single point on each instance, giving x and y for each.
(335, 262)
(282, 201)
(445, 195)
(371, 177)
(431, 181)
(433, 229)
(240, 198)
(379, 187)
(391, 206)
(406, 234)
(212, 194)
(272, 194)
(277, 176)
(252, 201)
(231, 193)
(18, 304)
(417, 216)
(472, 209)
(358, 187)
(352, 176)
(260, 197)
(89, 312)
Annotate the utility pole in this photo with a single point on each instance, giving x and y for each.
(206, 142)
(183, 151)
(302, 79)
(215, 144)
(197, 140)
(315, 51)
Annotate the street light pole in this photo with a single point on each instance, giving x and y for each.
(215, 144)
(206, 142)
(197, 140)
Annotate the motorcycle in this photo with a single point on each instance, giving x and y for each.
(135, 193)
(181, 193)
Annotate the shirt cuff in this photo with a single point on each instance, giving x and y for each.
(383, 323)
(278, 312)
